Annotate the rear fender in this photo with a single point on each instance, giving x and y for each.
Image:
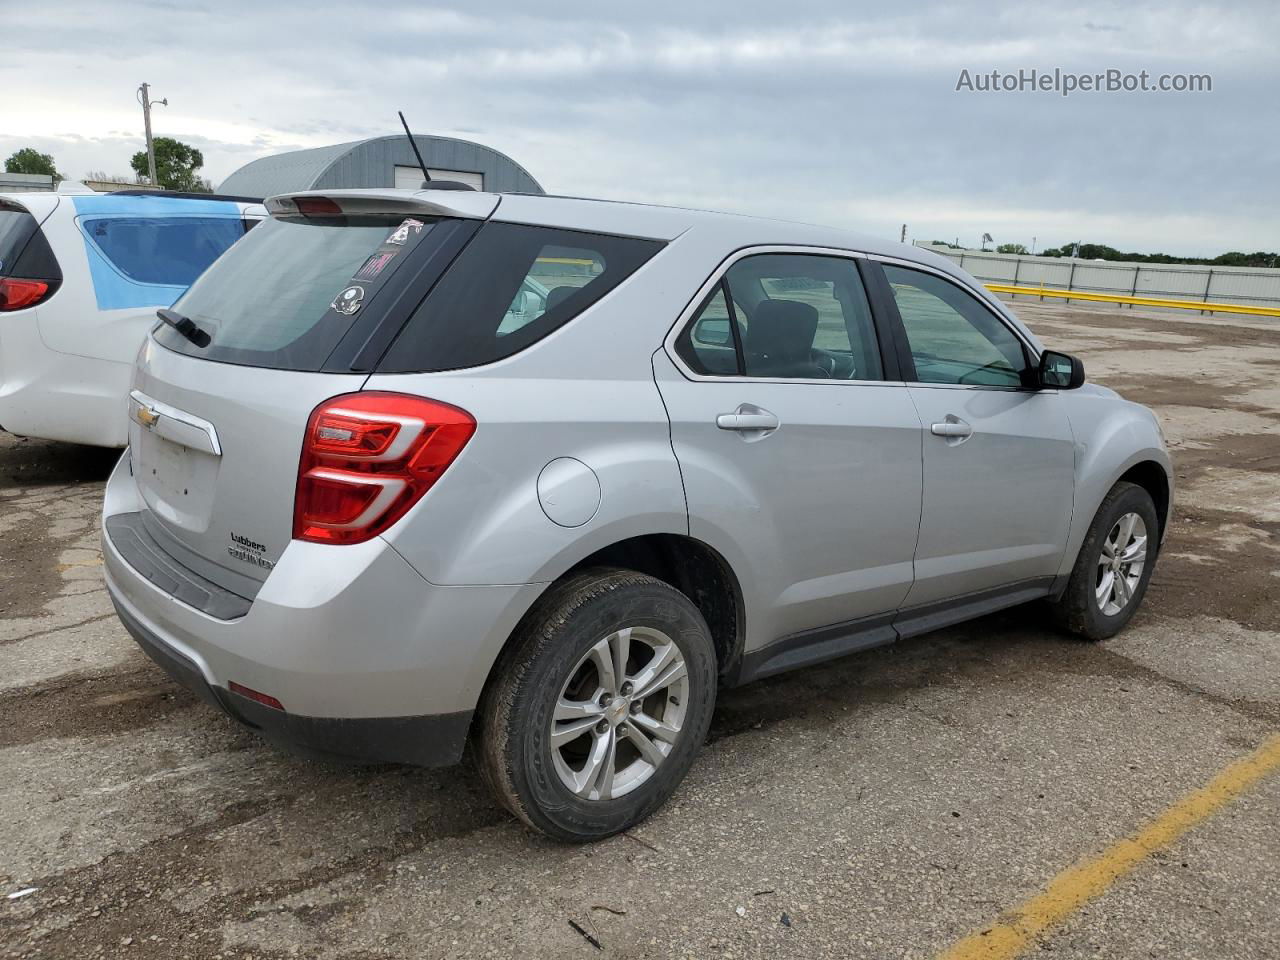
(554, 472)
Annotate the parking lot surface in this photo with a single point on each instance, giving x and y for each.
(885, 805)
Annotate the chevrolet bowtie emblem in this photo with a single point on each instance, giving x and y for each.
(147, 416)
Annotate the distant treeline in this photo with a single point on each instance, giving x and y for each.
(1100, 251)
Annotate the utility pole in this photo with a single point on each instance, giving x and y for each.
(144, 98)
(903, 237)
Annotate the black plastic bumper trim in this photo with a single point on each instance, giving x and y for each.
(432, 740)
(141, 550)
(827, 643)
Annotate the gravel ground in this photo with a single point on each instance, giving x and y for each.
(880, 806)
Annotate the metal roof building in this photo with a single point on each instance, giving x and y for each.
(25, 182)
(381, 162)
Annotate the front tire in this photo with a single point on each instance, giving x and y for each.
(1114, 566)
(598, 711)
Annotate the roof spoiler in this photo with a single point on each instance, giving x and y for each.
(180, 195)
(461, 204)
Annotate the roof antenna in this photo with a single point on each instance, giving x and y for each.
(413, 143)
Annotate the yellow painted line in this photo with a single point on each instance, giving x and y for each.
(1070, 890)
(1136, 301)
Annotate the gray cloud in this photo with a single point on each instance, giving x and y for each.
(830, 112)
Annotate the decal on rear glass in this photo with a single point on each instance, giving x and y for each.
(409, 227)
(378, 265)
(349, 300)
(375, 265)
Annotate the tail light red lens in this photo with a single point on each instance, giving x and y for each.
(17, 294)
(263, 698)
(317, 207)
(367, 458)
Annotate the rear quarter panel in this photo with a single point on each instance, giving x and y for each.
(483, 522)
(587, 392)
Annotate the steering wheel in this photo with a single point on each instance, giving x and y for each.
(833, 365)
(1002, 365)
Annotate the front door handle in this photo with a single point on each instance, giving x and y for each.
(953, 428)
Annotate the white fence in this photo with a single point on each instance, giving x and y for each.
(1252, 286)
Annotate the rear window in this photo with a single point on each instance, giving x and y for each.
(167, 251)
(510, 287)
(287, 293)
(24, 251)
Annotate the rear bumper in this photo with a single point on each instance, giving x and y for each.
(426, 741)
(370, 661)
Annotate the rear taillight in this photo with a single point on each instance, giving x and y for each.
(16, 294)
(367, 458)
(317, 207)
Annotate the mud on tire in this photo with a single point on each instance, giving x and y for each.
(556, 664)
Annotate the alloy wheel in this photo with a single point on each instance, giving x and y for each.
(619, 714)
(1120, 564)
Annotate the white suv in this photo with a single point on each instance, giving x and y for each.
(81, 275)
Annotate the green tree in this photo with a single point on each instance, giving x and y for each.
(1100, 251)
(1011, 248)
(176, 164)
(30, 160)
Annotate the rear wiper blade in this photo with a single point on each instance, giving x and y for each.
(185, 326)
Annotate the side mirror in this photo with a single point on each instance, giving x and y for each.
(1060, 371)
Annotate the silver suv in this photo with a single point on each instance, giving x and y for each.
(412, 469)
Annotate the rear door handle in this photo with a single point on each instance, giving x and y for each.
(747, 421)
(953, 428)
(750, 421)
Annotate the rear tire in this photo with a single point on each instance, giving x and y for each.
(1114, 566)
(599, 709)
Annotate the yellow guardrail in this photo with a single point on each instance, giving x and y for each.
(1135, 301)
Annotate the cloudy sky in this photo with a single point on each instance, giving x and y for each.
(831, 112)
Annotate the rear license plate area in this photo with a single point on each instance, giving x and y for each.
(166, 466)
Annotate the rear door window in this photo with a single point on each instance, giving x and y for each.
(285, 295)
(787, 316)
(512, 285)
(165, 251)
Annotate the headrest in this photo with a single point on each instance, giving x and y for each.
(558, 295)
(782, 330)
